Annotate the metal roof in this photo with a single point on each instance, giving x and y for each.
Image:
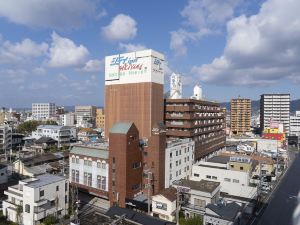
(90, 151)
(121, 127)
(226, 211)
(202, 185)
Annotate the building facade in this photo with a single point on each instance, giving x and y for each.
(200, 120)
(100, 118)
(134, 94)
(67, 119)
(233, 173)
(87, 113)
(179, 160)
(5, 138)
(275, 108)
(88, 169)
(62, 134)
(295, 124)
(240, 122)
(45, 195)
(43, 111)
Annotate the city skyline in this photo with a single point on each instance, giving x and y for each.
(61, 60)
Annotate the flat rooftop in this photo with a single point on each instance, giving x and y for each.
(202, 185)
(44, 180)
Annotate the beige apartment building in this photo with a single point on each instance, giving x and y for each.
(240, 115)
(100, 118)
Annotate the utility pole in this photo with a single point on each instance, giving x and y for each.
(149, 190)
(177, 206)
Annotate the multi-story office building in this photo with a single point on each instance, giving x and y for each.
(86, 112)
(89, 169)
(5, 138)
(67, 119)
(39, 197)
(62, 134)
(201, 120)
(42, 111)
(100, 118)
(295, 124)
(179, 160)
(275, 108)
(240, 121)
(134, 94)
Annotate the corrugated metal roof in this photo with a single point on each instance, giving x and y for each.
(90, 151)
(121, 127)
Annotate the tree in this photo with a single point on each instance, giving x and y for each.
(19, 211)
(196, 220)
(49, 220)
(28, 126)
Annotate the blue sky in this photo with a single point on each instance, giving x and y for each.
(53, 50)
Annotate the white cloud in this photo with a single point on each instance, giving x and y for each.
(122, 27)
(131, 47)
(39, 71)
(56, 14)
(38, 86)
(20, 51)
(94, 65)
(64, 52)
(260, 49)
(201, 18)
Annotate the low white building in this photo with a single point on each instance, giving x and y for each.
(195, 195)
(233, 173)
(179, 158)
(62, 134)
(89, 169)
(45, 195)
(164, 204)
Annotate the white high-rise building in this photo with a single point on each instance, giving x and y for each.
(275, 108)
(41, 111)
(67, 119)
(5, 138)
(295, 124)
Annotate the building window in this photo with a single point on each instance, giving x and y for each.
(136, 165)
(241, 168)
(27, 208)
(98, 164)
(103, 186)
(89, 179)
(103, 165)
(135, 187)
(170, 165)
(42, 193)
(179, 161)
(180, 152)
(176, 153)
(208, 177)
(85, 178)
(170, 176)
(235, 181)
(57, 188)
(77, 160)
(214, 178)
(66, 199)
(77, 176)
(232, 166)
(176, 173)
(90, 163)
(85, 162)
(179, 172)
(196, 174)
(73, 160)
(73, 176)
(66, 186)
(99, 182)
(227, 179)
(176, 163)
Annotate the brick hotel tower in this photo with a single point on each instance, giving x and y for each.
(134, 94)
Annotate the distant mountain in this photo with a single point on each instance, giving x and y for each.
(295, 105)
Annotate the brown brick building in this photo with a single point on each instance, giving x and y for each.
(134, 95)
(125, 159)
(201, 120)
(240, 115)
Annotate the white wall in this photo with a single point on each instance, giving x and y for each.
(184, 158)
(240, 189)
(171, 207)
